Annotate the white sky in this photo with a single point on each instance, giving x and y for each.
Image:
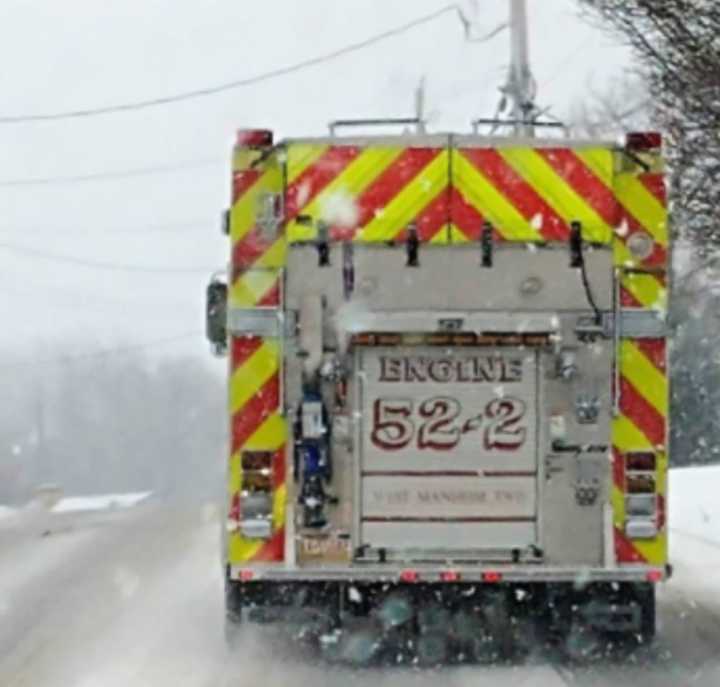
(83, 53)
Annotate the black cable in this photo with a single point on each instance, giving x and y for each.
(109, 176)
(97, 264)
(120, 350)
(212, 90)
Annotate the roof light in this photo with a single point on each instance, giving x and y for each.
(643, 140)
(409, 576)
(492, 577)
(254, 138)
(449, 576)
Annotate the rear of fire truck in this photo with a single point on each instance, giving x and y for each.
(447, 389)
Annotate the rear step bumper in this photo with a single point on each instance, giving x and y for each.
(498, 574)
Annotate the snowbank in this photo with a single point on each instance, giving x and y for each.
(77, 504)
(694, 502)
(6, 513)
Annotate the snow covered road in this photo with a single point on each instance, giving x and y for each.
(134, 598)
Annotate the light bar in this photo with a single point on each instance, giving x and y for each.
(449, 576)
(492, 577)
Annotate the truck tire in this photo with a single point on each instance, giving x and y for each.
(646, 599)
(233, 614)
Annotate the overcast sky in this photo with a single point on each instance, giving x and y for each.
(75, 54)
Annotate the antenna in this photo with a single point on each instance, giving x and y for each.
(521, 85)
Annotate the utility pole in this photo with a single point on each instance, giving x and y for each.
(521, 85)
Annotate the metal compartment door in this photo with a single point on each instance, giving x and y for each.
(448, 444)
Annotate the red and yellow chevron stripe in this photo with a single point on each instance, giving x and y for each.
(256, 422)
(371, 193)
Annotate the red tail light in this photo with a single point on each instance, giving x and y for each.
(246, 575)
(409, 576)
(449, 576)
(654, 576)
(643, 140)
(492, 577)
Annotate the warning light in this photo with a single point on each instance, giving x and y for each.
(492, 577)
(654, 576)
(643, 140)
(409, 576)
(449, 576)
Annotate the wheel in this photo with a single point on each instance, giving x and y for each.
(233, 614)
(648, 618)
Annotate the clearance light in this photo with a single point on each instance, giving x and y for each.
(643, 140)
(409, 576)
(449, 576)
(654, 576)
(492, 577)
(246, 575)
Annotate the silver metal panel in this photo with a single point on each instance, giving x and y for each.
(451, 278)
(643, 324)
(265, 322)
(428, 321)
(641, 529)
(431, 496)
(438, 535)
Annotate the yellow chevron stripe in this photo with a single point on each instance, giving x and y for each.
(647, 288)
(556, 192)
(244, 210)
(409, 203)
(457, 235)
(241, 550)
(270, 435)
(279, 503)
(248, 289)
(250, 377)
(341, 192)
(643, 205)
(300, 156)
(490, 203)
(649, 382)
(628, 437)
(600, 161)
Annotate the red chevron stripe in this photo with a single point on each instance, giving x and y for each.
(272, 297)
(316, 177)
(389, 184)
(434, 217)
(521, 194)
(584, 182)
(246, 420)
(242, 181)
(248, 249)
(598, 196)
(273, 550)
(655, 350)
(625, 551)
(641, 413)
(241, 348)
(628, 300)
(655, 183)
(465, 217)
(618, 468)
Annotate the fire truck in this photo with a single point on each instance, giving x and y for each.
(448, 391)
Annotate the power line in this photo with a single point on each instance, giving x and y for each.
(199, 223)
(98, 264)
(107, 352)
(111, 175)
(239, 83)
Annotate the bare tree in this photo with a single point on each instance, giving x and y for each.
(678, 43)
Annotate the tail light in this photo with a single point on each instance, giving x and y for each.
(449, 576)
(655, 576)
(409, 576)
(492, 577)
(251, 511)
